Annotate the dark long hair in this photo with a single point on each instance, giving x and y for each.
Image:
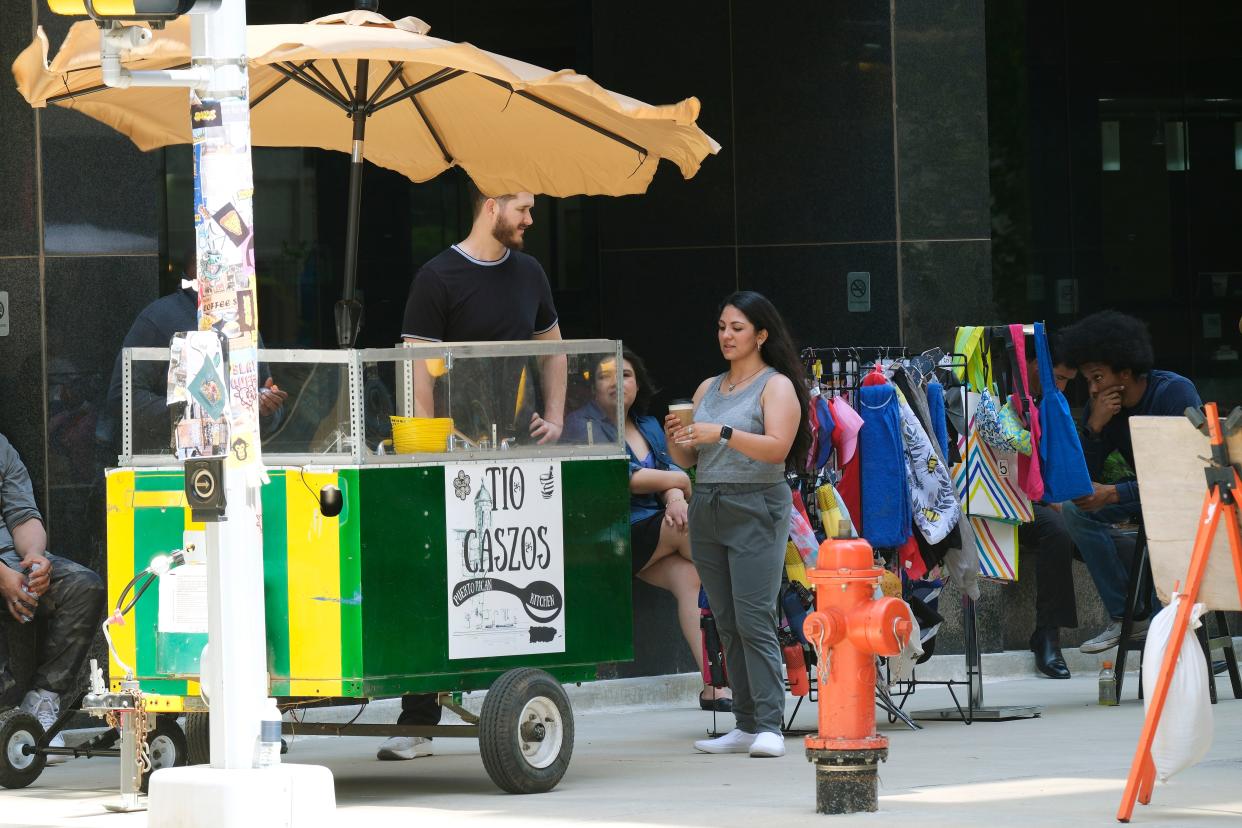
(642, 379)
(780, 352)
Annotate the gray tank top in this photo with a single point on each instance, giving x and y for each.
(744, 412)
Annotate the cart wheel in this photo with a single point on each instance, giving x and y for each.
(198, 738)
(18, 729)
(168, 748)
(526, 731)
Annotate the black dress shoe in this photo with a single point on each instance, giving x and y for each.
(720, 705)
(1046, 645)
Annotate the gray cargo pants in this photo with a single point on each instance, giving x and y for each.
(738, 534)
(69, 613)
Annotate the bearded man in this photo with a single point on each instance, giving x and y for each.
(484, 288)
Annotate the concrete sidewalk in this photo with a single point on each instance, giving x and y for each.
(636, 766)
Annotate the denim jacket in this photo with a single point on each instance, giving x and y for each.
(642, 506)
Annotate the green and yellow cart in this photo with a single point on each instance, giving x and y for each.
(491, 564)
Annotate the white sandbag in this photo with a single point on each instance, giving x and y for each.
(1184, 734)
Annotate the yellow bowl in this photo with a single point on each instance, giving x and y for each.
(440, 422)
(417, 435)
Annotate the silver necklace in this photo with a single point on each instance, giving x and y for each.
(733, 385)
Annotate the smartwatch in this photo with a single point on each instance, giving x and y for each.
(725, 433)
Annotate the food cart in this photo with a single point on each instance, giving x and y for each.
(480, 561)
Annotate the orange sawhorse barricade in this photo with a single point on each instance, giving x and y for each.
(1220, 503)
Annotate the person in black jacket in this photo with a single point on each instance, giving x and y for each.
(152, 421)
(1055, 604)
(1113, 351)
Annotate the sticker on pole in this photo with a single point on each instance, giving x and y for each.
(506, 558)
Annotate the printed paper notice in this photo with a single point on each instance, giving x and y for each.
(183, 600)
(506, 558)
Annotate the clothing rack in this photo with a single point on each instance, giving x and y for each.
(849, 366)
(943, 366)
(948, 364)
(975, 707)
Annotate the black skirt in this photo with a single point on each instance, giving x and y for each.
(644, 538)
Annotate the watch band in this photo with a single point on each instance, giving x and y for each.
(725, 433)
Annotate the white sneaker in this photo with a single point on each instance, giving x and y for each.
(1111, 636)
(735, 741)
(44, 705)
(1106, 640)
(767, 744)
(403, 747)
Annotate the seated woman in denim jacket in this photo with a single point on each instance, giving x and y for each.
(659, 489)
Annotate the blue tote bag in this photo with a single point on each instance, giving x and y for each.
(1060, 452)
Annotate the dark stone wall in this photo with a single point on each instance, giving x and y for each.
(854, 139)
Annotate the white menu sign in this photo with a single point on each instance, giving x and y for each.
(506, 561)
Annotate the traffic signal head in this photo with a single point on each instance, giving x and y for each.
(104, 10)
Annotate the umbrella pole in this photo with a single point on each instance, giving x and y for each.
(349, 309)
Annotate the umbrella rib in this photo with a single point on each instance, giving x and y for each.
(435, 136)
(578, 119)
(268, 92)
(343, 96)
(340, 73)
(387, 82)
(422, 86)
(448, 158)
(295, 74)
(92, 90)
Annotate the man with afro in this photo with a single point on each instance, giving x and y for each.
(1114, 354)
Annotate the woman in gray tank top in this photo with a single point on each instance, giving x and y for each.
(749, 428)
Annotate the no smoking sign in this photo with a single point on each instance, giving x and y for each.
(858, 291)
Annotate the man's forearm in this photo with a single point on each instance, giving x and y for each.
(424, 390)
(1095, 450)
(553, 375)
(30, 538)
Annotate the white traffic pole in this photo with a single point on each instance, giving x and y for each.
(237, 652)
(233, 791)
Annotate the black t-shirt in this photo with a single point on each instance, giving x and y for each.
(456, 298)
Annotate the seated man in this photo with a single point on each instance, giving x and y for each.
(1055, 606)
(1113, 351)
(68, 597)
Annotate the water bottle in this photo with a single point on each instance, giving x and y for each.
(267, 750)
(1108, 685)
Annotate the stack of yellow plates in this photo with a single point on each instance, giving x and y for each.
(414, 435)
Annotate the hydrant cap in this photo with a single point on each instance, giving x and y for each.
(881, 627)
(850, 553)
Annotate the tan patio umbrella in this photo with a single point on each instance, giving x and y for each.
(419, 106)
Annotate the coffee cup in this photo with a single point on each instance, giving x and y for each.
(684, 411)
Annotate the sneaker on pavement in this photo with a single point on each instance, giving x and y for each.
(735, 741)
(404, 747)
(44, 705)
(767, 744)
(1112, 635)
(1104, 641)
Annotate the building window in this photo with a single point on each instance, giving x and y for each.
(1176, 146)
(1110, 145)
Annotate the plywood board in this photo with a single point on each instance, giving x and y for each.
(1169, 456)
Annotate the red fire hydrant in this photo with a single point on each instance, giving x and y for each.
(848, 629)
